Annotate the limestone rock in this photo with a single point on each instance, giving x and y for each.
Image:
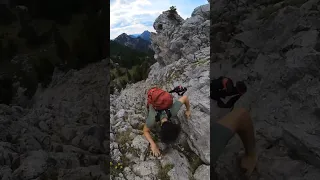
(146, 168)
(273, 47)
(32, 166)
(202, 172)
(140, 143)
(181, 166)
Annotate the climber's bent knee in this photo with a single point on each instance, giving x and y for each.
(234, 119)
(223, 130)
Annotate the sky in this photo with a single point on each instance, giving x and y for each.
(136, 16)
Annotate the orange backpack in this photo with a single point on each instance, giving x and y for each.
(159, 99)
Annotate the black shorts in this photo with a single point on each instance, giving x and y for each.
(220, 137)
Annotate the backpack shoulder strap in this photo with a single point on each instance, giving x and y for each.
(168, 113)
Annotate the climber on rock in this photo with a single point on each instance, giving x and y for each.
(237, 121)
(223, 87)
(161, 107)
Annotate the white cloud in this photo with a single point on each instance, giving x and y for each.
(131, 16)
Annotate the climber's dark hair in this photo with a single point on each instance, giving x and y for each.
(241, 87)
(169, 132)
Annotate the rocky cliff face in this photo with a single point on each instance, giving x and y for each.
(183, 56)
(274, 47)
(62, 135)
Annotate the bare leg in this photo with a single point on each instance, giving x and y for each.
(239, 121)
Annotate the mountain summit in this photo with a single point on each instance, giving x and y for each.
(145, 35)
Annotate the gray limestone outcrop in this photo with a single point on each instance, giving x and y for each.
(274, 47)
(61, 135)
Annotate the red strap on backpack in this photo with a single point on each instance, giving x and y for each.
(159, 99)
(224, 82)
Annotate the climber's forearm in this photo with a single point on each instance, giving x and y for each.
(146, 133)
(187, 104)
(184, 100)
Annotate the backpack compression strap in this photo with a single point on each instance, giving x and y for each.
(168, 112)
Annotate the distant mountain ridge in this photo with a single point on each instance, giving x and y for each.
(145, 35)
(134, 35)
(138, 43)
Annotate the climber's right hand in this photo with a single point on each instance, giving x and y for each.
(155, 150)
(188, 113)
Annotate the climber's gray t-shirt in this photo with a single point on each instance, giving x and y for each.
(151, 119)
